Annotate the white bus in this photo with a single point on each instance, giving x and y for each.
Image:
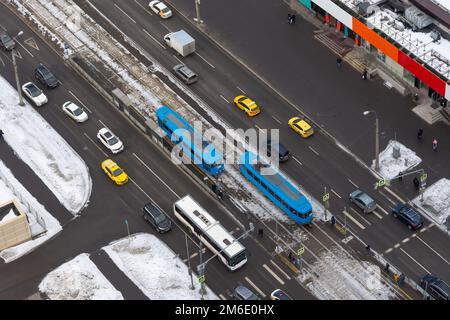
(215, 237)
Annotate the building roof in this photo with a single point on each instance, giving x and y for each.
(435, 10)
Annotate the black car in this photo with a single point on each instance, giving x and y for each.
(435, 287)
(408, 215)
(6, 42)
(45, 76)
(283, 152)
(158, 219)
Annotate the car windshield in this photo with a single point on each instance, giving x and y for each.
(160, 218)
(34, 91)
(77, 111)
(113, 140)
(5, 38)
(117, 172)
(165, 10)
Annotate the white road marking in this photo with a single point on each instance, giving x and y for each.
(273, 274)
(24, 49)
(446, 261)
(387, 198)
(162, 181)
(397, 245)
(337, 195)
(263, 295)
(388, 250)
(124, 13)
(274, 118)
(297, 160)
(95, 144)
(405, 240)
(177, 58)
(103, 123)
(258, 126)
(205, 60)
(32, 43)
(153, 38)
(361, 216)
(415, 261)
(354, 220)
(140, 5)
(142, 190)
(279, 269)
(84, 106)
(221, 296)
(224, 98)
(385, 212)
(313, 150)
(396, 196)
(378, 215)
(240, 90)
(414, 235)
(2, 61)
(352, 183)
(4, 29)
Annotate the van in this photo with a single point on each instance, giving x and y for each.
(435, 287)
(283, 153)
(184, 73)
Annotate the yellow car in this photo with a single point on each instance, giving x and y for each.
(115, 173)
(301, 127)
(248, 105)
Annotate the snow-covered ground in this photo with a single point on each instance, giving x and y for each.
(78, 279)
(341, 277)
(39, 219)
(390, 167)
(44, 150)
(436, 203)
(155, 268)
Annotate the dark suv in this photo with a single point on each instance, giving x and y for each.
(283, 153)
(45, 76)
(408, 215)
(156, 218)
(435, 287)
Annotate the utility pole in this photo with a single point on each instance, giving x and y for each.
(189, 263)
(326, 202)
(377, 139)
(16, 73)
(197, 10)
(201, 269)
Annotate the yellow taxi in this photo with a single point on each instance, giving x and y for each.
(114, 172)
(301, 127)
(248, 105)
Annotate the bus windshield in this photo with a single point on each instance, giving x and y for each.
(237, 258)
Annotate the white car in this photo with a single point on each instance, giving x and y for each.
(160, 9)
(75, 112)
(34, 93)
(110, 140)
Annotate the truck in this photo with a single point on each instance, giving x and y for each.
(181, 42)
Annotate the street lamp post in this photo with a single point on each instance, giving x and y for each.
(16, 73)
(197, 10)
(377, 139)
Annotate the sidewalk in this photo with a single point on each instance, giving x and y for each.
(351, 95)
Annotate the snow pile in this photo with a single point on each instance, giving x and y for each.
(436, 202)
(11, 188)
(78, 279)
(390, 167)
(44, 150)
(9, 216)
(155, 269)
(340, 277)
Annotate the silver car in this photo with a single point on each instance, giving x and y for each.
(363, 201)
(6, 42)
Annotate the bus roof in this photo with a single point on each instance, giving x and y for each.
(210, 226)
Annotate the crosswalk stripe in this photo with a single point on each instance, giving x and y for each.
(354, 220)
(255, 287)
(390, 191)
(378, 215)
(387, 198)
(221, 296)
(360, 216)
(281, 270)
(273, 274)
(385, 212)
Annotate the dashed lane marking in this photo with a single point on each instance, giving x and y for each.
(177, 59)
(145, 9)
(103, 124)
(352, 183)
(446, 261)
(258, 126)
(89, 138)
(221, 296)
(298, 161)
(397, 245)
(224, 98)
(388, 250)
(205, 60)
(313, 150)
(124, 13)
(274, 118)
(336, 194)
(153, 38)
(23, 49)
(84, 106)
(417, 262)
(281, 270)
(354, 220)
(263, 295)
(396, 196)
(405, 240)
(240, 90)
(273, 274)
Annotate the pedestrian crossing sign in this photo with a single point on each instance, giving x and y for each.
(201, 279)
(326, 197)
(423, 177)
(301, 251)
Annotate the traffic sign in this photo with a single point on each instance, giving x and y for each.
(301, 251)
(423, 177)
(326, 197)
(201, 279)
(381, 182)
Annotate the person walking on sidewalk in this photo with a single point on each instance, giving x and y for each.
(289, 18)
(364, 75)
(435, 144)
(339, 62)
(1, 134)
(293, 18)
(420, 134)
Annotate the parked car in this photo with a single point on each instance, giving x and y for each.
(75, 112)
(363, 201)
(279, 294)
(34, 93)
(6, 42)
(408, 215)
(114, 172)
(243, 293)
(110, 140)
(300, 126)
(247, 105)
(159, 8)
(184, 73)
(46, 77)
(283, 152)
(435, 287)
(158, 219)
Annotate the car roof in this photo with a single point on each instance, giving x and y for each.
(244, 291)
(153, 208)
(72, 106)
(160, 5)
(364, 197)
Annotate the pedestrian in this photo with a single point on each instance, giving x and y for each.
(420, 134)
(416, 183)
(290, 256)
(364, 75)
(261, 233)
(339, 62)
(400, 176)
(289, 18)
(333, 221)
(293, 18)
(386, 268)
(435, 143)
(368, 248)
(1, 134)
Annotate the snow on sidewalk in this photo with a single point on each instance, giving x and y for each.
(11, 188)
(436, 203)
(154, 268)
(390, 167)
(38, 145)
(78, 279)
